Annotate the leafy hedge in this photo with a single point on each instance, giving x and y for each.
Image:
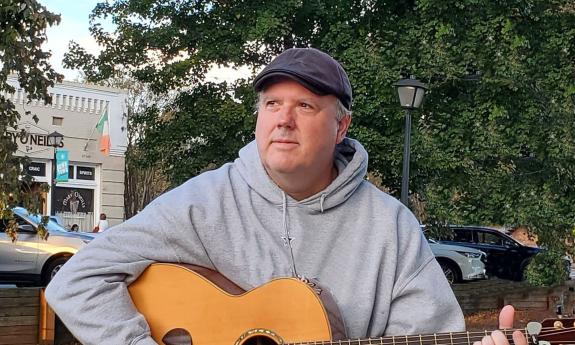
(547, 268)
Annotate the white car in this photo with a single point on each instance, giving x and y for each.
(459, 263)
(32, 260)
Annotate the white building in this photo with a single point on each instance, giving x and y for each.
(95, 181)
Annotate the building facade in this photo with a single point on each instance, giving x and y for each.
(95, 181)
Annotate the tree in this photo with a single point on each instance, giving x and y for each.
(496, 146)
(23, 30)
(493, 144)
(201, 129)
(143, 179)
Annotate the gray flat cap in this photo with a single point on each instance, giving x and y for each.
(312, 68)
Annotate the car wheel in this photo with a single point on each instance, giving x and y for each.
(520, 275)
(451, 272)
(53, 268)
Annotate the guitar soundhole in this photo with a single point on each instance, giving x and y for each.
(260, 340)
(177, 336)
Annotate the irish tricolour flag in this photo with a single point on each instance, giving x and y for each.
(103, 127)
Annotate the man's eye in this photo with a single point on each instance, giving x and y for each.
(305, 106)
(271, 103)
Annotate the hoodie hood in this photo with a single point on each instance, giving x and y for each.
(350, 159)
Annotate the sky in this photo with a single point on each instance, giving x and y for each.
(74, 24)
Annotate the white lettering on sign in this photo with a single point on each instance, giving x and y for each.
(73, 198)
(85, 172)
(34, 169)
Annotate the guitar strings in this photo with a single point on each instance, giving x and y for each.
(560, 332)
(366, 342)
(453, 338)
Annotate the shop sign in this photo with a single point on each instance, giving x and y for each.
(36, 169)
(31, 139)
(85, 173)
(62, 162)
(74, 200)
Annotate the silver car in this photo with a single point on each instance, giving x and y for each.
(459, 263)
(32, 260)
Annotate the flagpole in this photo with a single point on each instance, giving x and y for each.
(94, 128)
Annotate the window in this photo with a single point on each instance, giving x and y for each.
(489, 238)
(57, 121)
(22, 224)
(463, 236)
(78, 172)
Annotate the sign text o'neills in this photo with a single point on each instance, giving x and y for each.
(30, 139)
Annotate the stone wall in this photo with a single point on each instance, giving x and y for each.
(496, 293)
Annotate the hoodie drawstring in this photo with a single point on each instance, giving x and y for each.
(287, 238)
(321, 200)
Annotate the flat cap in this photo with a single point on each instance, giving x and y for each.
(312, 68)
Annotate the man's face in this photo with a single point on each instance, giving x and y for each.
(297, 130)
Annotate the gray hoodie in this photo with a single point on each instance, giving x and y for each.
(359, 242)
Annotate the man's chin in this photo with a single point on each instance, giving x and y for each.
(281, 168)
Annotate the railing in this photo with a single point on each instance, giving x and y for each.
(85, 221)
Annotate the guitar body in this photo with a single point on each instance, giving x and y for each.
(190, 305)
(173, 297)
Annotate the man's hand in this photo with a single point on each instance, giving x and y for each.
(505, 321)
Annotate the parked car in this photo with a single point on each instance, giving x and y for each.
(58, 220)
(506, 258)
(31, 259)
(459, 263)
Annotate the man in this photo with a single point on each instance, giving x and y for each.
(295, 203)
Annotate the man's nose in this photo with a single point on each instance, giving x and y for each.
(286, 117)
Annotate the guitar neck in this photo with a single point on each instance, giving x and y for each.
(457, 338)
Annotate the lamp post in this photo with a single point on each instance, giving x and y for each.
(411, 92)
(54, 139)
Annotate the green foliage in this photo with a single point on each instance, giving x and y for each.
(493, 143)
(546, 268)
(202, 129)
(22, 32)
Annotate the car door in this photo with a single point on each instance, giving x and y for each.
(18, 257)
(500, 255)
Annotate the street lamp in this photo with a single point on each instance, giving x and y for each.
(54, 139)
(411, 92)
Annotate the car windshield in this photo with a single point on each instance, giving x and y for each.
(36, 219)
(52, 225)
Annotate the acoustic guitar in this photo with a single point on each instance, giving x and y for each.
(187, 305)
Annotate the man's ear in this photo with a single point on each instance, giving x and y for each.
(342, 128)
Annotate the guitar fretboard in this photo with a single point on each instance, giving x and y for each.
(458, 338)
